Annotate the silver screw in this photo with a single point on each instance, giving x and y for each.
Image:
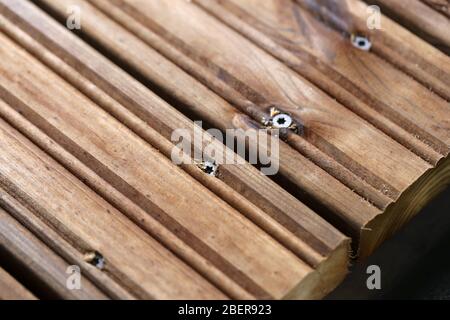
(361, 43)
(209, 167)
(281, 121)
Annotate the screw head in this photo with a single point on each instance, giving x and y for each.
(209, 167)
(282, 121)
(361, 43)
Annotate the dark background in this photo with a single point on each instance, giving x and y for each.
(415, 263)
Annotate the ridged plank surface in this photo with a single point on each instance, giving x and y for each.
(86, 176)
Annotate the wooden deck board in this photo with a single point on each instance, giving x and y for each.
(87, 119)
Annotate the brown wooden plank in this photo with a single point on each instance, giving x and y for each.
(402, 108)
(270, 196)
(395, 44)
(244, 69)
(189, 92)
(58, 244)
(11, 289)
(338, 173)
(372, 88)
(41, 265)
(283, 88)
(420, 19)
(134, 212)
(153, 189)
(443, 6)
(196, 99)
(92, 225)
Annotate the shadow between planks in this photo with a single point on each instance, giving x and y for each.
(86, 142)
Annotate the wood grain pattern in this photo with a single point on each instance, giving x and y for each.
(260, 190)
(86, 122)
(244, 69)
(35, 259)
(60, 245)
(67, 122)
(397, 45)
(421, 19)
(283, 88)
(400, 106)
(45, 182)
(365, 81)
(443, 6)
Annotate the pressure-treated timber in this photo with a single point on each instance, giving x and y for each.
(193, 65)
(11, 289)
(29, 255)
(282, 88)
(393, 43)
(442, 6)
(222, 114)
(369, 86)
(192, 97)
(358, 160)
(130, 255)
(138, 159)
(402, 108)
(270, 197)
(55, 241)
(421, 19)
(310, 178)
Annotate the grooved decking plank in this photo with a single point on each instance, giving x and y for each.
(401, 107)
(91, 224)
(39, 261)
(442, 6)
(217, 231)
(198, 100)
(394, 43)
(55, 241)
(86, 169)
(370, 154)
(11, 289)
(331, 248)
(369, 86)
(420, 19)
(222, 114)
(266, 82)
